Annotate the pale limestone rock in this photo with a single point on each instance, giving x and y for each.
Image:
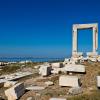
(36, 67)
(30, 98)
(98, 81)
(75, 68)
(98, 59)
(17, 75)
(15, 92)
(70, 81)
(9, 83)
(35, 88)
(57, 99)
(57, 65)
(45, 70)
(49, 83)
(57, 70)
(67, 60)
(70, 73)
(92, 54)
(93, 59)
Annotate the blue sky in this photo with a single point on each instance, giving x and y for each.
(43, 28)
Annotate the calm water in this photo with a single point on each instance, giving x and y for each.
(17, 59)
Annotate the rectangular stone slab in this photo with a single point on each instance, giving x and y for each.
(35, 88)
(15, 92)
(15, 76)
(70, 81)
(45, 70)
(98, 81)
(75, 68)
(57, 65)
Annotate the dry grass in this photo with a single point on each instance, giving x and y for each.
(94, 96)
(17, 66)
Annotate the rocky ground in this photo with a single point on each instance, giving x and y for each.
(88, 80)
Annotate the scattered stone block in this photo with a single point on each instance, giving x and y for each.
(66, 61)
(9, 83)
(98, 81)
(15, 92)
(49, 83)
(57, 65)
(57, 99)
(45, 70)
(93, 59)
(75, 90)
(30, 98)
(98, 59)
(17, 75)
(2, 81)
(36, 67)
(75, 68)
(35, 88)
(57, 70)
(70, 81)
(70, 73)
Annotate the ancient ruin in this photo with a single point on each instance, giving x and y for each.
(63, 79)
(76, 27)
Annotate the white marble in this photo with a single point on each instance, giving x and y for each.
(57, 99)
(98, 81)
(70, 81)
(45, 70)
(75, 68)
(15, 92)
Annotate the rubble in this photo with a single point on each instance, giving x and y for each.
(2, 81)
(30, 98)
(57, 70)
(36, 67)
(35, 88)
(49, 83)
(57, 99)
(15, 91)
(69, 81)
(9, 83)
(66, 61)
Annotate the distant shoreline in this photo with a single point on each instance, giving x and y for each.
(18, 59)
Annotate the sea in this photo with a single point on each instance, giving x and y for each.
(18, 59)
